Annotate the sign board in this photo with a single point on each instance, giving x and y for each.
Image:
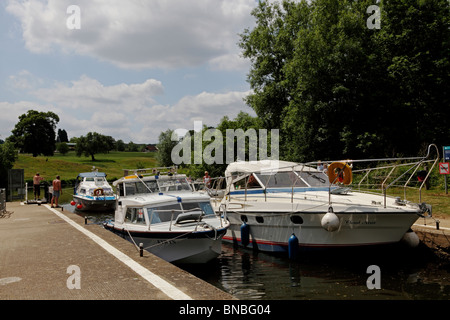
(447, 153)
(444, 168)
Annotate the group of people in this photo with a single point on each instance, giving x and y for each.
(57, 189)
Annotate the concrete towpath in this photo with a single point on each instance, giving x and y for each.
(50, 254)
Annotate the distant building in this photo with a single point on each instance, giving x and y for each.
(71, 145)
(150, 148)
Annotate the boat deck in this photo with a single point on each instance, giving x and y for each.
(50, 254)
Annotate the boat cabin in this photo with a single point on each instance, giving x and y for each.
(87, 182)
(175, 211)
(243, 176)
(134, 185)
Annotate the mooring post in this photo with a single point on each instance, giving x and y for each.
(141, 249)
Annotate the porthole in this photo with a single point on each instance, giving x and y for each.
(244, 218)
(259, 219)
(296, 219)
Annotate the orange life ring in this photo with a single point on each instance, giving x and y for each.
(340, 172)
(99, 191)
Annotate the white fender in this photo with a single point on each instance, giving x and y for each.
(411, 239)
(330, 221)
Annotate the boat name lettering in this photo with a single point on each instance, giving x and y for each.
(359, 222)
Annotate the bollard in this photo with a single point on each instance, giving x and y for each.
(85, 220)
(141, 249)
(437, 224)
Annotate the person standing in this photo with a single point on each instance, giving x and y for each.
(57, 191)
(207, 180)
(37, 186)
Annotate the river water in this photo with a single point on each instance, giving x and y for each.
(401, 272)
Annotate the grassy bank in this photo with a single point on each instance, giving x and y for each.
(68, 166)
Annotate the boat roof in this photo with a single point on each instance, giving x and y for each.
(91, 174)
(164, 198)
(265, 166)
(135, 178)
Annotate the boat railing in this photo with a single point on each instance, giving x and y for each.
(385, 172)
(388, 170)
(151, 171)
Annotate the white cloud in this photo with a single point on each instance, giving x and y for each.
(10, 113)
(24, 80)
(128, 111)
(90, 94)
(137, 34)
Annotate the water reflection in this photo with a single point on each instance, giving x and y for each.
(405, 273)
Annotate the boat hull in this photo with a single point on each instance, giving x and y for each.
(177, 247)
(100, 204)
(271, 232)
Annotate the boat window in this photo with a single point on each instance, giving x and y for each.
(83, 191)
(130, 188)
(163, 213)
(141, 188)
(89, 179)
(174, 185)
(152, 185)
(135, 216)
(203, 206)
(315, 179)
(282, 180)
(251, 181)
(108, 191)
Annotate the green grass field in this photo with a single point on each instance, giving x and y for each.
(68, 166)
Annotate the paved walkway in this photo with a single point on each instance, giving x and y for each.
(51, 254)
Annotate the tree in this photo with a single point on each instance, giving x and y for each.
(165, 146)
(62, 148)
(120, 145)
(62, 136)
(132, 147)
(35, 133)
(336, 88)
(8, 156)
(94, 143)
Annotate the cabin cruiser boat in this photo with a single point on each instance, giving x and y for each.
(92, 193)
(275, 206)
(168, 217)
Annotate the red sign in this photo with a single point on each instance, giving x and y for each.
(444, 168)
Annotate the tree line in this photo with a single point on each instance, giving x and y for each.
(337, 89)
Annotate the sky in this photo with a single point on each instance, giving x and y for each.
(129, 69)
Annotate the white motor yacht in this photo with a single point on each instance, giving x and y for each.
(168, 217)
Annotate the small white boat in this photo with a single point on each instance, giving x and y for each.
(92, 193)
(277, 206)
(169, 218)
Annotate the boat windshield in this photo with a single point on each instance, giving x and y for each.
(195, 206)
(174, 185)
(139, 187)
(294, 179)
(170, 212)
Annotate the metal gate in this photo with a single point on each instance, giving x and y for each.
(2, 201)
(16, 184)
